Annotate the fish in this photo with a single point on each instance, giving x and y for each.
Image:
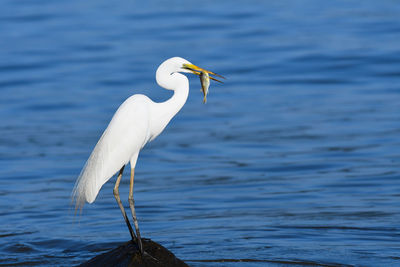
(205, 84)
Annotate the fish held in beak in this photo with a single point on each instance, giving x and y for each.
(205, 84)
(204, 77)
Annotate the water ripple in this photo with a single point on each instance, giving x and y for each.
(293, 161)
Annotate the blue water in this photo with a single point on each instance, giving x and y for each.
(295, 159)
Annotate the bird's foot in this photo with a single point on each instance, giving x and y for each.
(139, 244)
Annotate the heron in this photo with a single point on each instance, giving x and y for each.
(137, 121)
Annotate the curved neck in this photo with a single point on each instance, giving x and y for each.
(170, 107)
(165, 111)
(168, 78)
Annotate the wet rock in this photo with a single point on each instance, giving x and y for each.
(128, 255)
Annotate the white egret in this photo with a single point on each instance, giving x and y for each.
(137, 121)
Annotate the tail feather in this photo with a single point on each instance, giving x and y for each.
(98, 169)
(80, 191)
(89, 181)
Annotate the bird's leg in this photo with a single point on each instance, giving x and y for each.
(132, 206)
(116, 195)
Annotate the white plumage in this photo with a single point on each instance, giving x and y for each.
(136, 122)
(126, 134)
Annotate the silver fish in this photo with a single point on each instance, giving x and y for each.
(205, 84)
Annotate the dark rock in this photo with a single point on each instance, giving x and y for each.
(128, 255)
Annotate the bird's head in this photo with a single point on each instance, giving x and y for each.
(178, 64)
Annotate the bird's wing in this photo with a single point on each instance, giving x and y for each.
(126, 134)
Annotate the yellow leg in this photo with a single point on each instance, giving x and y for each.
(132, 206)
(116, 195)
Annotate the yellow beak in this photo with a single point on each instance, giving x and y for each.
(197, 70)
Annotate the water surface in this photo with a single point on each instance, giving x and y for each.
(294, 160)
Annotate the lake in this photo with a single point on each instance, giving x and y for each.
(294, 160)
